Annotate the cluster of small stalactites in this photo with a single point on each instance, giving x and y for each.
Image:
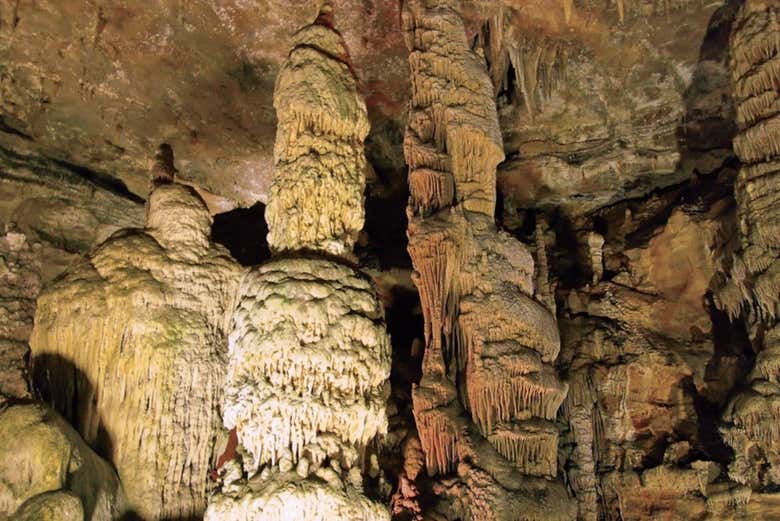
(309, 357)
(755, 53)
(305, 499)
(316, 196)
(453, 140)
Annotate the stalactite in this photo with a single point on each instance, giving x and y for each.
(752, 285)
(568, 7)
(309, 360)
(544, 287)
(538, 64)
(322, 123)
(531, 445)
(489, 343)
(595, 249)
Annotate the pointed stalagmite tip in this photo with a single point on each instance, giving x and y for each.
(326, 16)
(163, 170)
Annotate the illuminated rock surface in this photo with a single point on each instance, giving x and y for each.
(48, 473)
(613, 347)
(309, 354)
(130, 345)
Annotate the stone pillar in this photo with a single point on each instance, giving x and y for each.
(752, 420)
(309, 355)
(486, 404)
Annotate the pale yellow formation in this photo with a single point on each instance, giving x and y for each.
(130, 344)
(309, 363)
(316, 197)
(282, 497)
(753, 285)
(307, 382)
(490, 343)
(47, 472)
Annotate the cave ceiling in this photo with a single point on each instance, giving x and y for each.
(598, 102)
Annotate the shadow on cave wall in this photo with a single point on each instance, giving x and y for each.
(700, 135)
(53, 377)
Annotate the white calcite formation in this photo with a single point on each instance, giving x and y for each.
(309, 355)
(316, 196)
(489, 395)
(752, 420)
(130, 345)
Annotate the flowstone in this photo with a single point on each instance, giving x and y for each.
(130, 345)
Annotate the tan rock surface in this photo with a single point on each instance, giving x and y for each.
(19, 286)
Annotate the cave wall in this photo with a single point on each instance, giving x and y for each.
(593, 182)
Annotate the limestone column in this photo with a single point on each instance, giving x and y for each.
(486, 404)
(130, 346)
(309, 355)
(752, 420)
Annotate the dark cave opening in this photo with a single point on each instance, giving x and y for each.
(243, 232)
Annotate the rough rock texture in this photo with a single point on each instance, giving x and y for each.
(489, 343)
(648, 236)
(100, 85)
(19, 286)
(130, 345)
(595, 105)
(316, 196)
(649, 360)
(309, 354)
(599, 103)
(48, 473)
(753, 282)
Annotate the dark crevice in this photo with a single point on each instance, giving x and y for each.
(8, 129)
(243, 232)
(107, 183)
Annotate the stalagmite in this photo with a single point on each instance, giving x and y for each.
(309, 356)
(130, 345)
(595, 248)
(489, 343)
(47, 472)
(753, 284)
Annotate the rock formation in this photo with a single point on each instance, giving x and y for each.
(19, 286)
(130, 345)
(489, 395)
(309, 356)
(570, 231)
(753, 284)
(48, 473)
